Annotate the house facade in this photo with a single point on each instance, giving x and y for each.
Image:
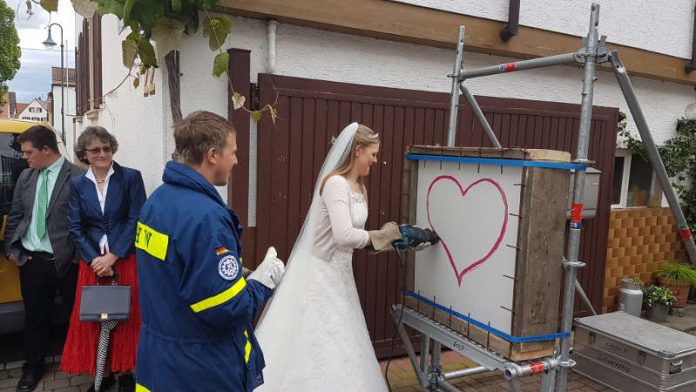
(36, 110)
(386, 63)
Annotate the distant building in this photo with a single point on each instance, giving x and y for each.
(36, 110)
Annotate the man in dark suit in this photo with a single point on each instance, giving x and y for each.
(37, 240)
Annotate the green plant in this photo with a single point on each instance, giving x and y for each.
(675, 273)
(165, 23)
(636, 280)
(656, 295)
(9, 49)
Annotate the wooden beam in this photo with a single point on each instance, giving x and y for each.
(408, 23)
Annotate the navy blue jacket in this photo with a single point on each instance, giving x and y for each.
(86, 222)
(197, 309)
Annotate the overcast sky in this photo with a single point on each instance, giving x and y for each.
(34, 76)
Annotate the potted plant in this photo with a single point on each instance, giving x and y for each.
(679, 277)
(658, 300)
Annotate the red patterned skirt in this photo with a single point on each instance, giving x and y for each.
(79, 353)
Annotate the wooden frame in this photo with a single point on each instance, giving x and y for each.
(541, 228)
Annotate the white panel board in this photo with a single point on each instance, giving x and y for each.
(473, 208)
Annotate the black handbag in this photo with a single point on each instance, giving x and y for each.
(105, 302)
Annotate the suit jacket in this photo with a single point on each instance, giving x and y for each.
(56, 216)
(125, 197)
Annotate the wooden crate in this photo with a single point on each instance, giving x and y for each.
(538, 252)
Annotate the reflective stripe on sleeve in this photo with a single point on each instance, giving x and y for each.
(151, 241)
(219, 298)
(247, 347)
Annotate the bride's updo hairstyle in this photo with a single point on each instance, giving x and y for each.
(364, 137)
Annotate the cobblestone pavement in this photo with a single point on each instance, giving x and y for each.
(53, 381)
(401, 378)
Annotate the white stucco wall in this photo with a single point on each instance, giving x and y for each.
(139, 123)
(142, 124)
(660, 26)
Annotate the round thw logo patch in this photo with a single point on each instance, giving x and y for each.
(228, 267)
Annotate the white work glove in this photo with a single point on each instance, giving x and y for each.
(270, 271)
(382, 239)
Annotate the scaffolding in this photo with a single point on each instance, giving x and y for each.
(555, 368)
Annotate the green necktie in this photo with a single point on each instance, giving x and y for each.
(43, 204)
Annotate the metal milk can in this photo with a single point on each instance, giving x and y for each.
(630, 297)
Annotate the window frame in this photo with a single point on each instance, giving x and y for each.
(654, 191)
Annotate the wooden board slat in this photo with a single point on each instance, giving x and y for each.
(530, 154)
(541, 241)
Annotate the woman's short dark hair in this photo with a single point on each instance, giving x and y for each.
(88, 136)
(40, 136)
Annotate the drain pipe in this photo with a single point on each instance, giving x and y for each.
(510, 29)
(271, 35)
(691, 65)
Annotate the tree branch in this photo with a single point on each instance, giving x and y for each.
(171, 59)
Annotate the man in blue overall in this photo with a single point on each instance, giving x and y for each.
(197, 308)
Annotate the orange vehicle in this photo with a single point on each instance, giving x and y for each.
(11, 165)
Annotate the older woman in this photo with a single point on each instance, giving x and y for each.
(105, 204)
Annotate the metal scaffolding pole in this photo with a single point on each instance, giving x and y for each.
(480, 116)
(457, 84)
(653, 154)
(586, 300)
(571, 264)
(568, 58)
(454, 99)
(593, 53)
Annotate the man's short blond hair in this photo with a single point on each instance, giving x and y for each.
(199, 132)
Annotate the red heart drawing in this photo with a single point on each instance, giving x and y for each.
(457, 273)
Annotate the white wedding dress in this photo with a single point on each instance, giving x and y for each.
(313, 333)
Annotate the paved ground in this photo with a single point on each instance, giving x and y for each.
(54, 381)
(683, 319)
(401, 376)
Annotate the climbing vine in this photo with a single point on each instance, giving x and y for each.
(165, 23)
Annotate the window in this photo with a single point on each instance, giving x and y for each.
(11, 165)
(634, 182)
(89, 66)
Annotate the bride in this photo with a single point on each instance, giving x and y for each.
(313, 332)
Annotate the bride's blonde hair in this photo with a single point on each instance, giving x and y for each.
(364, 137)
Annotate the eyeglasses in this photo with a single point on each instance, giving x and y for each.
(98, 150)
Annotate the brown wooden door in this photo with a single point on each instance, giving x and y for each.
(311, 112)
